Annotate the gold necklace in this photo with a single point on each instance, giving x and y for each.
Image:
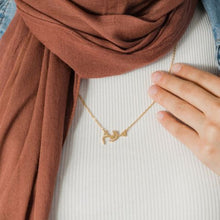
(115, 134)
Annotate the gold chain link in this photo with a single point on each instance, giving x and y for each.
(116, 134)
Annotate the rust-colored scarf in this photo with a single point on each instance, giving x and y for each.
(48, 47)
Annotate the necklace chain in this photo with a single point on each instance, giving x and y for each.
(116, 134)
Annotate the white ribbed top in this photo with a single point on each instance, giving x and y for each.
(148, 175)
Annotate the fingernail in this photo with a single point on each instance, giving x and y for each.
(156, 76)
(176, 67)
(152, 90)
(159, 115)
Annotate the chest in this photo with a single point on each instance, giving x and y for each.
(148, 174)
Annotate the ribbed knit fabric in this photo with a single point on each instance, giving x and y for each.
(148, 175)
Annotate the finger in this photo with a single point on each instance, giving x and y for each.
(209, 155)
(182, 132)
(207, 80)
(191, 92)
(179, 108)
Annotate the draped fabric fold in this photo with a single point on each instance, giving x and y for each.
(47, 49)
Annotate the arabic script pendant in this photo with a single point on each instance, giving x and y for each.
(114, 136)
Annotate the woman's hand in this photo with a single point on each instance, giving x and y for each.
(192, 100)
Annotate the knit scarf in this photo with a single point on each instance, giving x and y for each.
(47, 49)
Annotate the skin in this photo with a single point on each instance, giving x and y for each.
(192, 100)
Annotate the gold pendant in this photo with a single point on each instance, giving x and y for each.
(114, 136)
